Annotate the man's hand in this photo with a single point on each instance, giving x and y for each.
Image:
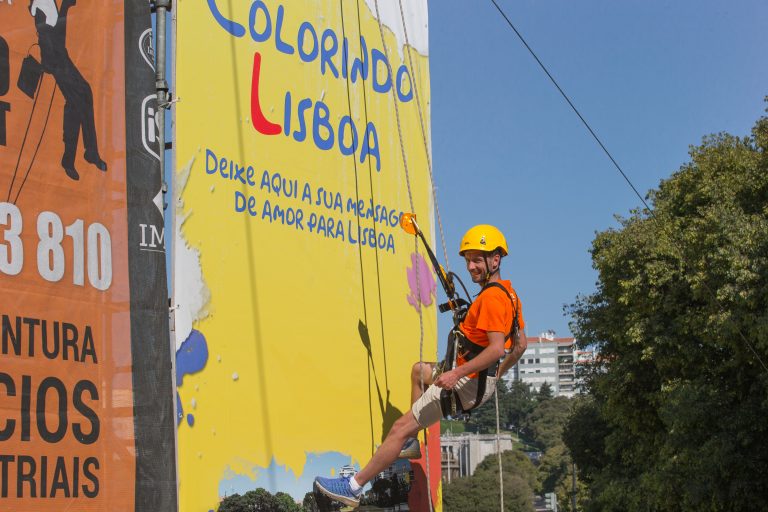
(447, 380)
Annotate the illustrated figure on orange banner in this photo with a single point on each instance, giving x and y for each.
(493, 324)
(51, 24)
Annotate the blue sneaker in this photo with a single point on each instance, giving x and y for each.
(411, 449)
(338, 489)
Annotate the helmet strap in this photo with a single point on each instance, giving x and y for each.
(488, 272)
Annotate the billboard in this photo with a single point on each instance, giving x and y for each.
(301, 135)
(86, 399)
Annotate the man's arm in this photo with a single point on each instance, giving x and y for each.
(490, 354)
(520, 345)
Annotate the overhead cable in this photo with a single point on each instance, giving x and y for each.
(615, 163)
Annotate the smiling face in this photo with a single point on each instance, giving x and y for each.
(477, 264)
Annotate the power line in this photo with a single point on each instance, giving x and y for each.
(616, 164)
(567, 99)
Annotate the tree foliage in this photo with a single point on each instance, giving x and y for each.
(545, 392)
(679, 416)
(259, 500)
(481, 491)
(540, 419)
(520, 404)
(516, 403)
(546, 421)
(483, 419)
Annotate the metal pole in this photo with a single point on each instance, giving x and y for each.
(449, 452)
(161, 85)
(448, 456)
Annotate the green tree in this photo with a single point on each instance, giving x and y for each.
(464, 494)
(518, 405)
(547, 421)
(452, 427)
(554, 467)
(233, 503)
(483, 419)
(309, 504)
(259, 500)
(545, 392)
(481, 491)
(585, 434)
(286, 503)
(680, 318)
(512, 462)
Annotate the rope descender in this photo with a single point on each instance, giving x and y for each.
(456, 304)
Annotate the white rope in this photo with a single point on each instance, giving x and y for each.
(415, 240)
(424, 139)
(498, 451)
(440, 223)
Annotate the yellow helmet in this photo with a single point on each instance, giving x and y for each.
(483, 237)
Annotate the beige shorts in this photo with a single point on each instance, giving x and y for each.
(427, 409)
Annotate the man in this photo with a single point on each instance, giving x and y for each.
(494, 316)
(51, 24)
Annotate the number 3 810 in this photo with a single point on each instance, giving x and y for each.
(91, 248)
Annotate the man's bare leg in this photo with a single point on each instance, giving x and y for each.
(387, 453)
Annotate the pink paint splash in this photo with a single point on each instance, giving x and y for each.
(427, 286)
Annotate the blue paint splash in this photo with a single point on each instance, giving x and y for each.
(191, 357)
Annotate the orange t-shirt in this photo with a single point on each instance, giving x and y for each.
(491, 311)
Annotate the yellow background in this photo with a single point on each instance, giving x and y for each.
(286, 306)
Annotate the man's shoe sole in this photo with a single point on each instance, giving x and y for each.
(341, 499)
(409, 455)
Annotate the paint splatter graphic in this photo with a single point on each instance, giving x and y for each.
(427, 286)
(190, 358)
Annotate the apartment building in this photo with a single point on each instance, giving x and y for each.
(553, 360)
(461, 453)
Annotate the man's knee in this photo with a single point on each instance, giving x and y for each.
(421, 370)
(405, 425)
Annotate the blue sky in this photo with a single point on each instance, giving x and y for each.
(651, 77)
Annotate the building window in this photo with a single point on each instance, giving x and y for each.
(537, 360)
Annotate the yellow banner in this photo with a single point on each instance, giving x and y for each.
(302, 134)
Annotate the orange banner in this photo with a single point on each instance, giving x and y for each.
(66, 384)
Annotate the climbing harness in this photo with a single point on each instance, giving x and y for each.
(509, 338)
(457, 305)
(450, 403)
(458, 343)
